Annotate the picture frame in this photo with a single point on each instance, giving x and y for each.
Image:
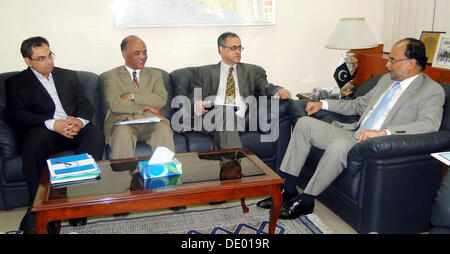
(430, 39)
(441, 57)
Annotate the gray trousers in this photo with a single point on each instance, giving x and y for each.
(225, 134)
(124, 138)
(334, 140)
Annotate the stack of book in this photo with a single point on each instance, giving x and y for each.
(73, 169)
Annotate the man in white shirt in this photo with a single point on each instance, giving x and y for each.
(49, 111)
(230, 82)
(405, 101)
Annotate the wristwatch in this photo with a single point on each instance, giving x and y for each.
(132, 96)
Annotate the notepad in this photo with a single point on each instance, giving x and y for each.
(153, 119)
(444, 157)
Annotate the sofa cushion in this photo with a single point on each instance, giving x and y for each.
(3, 77)
(167, 110)
(91, 86)
(9, 147)
(445, 124)
(198, 141)
(252, 141)
(367, 85)
(12, 170)
(440, 217)
(181, 81)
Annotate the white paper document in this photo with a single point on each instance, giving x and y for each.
(444, 157)
(161, 155)
(140, 121)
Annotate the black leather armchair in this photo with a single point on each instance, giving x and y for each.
(390, 182)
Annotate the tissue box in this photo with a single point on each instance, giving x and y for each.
(165, 169)
(158, 182)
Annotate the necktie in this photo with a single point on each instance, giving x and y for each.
(378, 111)
(230, 95)
(135, 81)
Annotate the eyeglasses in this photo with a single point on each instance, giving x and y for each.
(392, 60)
(234, 48)
(42, 59)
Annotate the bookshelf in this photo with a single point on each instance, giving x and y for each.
(373, 61)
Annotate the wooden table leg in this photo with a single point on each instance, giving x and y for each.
(244, 207)
(275, 209)
(41, 223)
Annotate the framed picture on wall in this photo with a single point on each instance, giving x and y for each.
(430, 39)
(442, 54)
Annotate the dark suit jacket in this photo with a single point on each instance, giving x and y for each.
(252, 80)
(29, 104)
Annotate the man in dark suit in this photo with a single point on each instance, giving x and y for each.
(229, 83)
(49, 111)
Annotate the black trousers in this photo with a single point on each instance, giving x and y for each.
(38, 143)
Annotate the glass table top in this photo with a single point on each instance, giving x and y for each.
(123, 176)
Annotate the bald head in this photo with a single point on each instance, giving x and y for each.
(134, 52)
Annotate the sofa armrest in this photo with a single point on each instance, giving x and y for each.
(9, 146)
(395, 146)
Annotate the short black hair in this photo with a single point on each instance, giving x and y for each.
(415, 49)
(223, 37)
(30, 43)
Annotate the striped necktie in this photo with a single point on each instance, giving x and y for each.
(135, 81)
(379, 110)
(230, 95)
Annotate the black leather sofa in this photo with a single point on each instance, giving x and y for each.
(390, 183)
(13, 190)
(440, 217)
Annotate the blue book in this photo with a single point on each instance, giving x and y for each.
(76, 165)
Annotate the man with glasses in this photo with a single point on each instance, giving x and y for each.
(405, 101)
(230, 82)
(50, 113)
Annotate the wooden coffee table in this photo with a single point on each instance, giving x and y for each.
(122, 190)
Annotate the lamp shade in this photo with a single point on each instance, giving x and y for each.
(351, 33)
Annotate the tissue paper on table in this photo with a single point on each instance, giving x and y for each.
(162, 163)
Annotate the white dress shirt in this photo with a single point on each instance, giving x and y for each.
(377, 126)
(138, 72)
(49, 85)
(222, 90)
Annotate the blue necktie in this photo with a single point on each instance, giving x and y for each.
(378, 111)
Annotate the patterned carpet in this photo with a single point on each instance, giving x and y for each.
(228, 220)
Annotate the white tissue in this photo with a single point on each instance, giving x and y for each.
(161, 155)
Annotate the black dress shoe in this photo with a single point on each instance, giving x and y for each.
(177, 208)
(287, 196)
(28, 224)
(78, 222)
(295, 208)
(217, 203)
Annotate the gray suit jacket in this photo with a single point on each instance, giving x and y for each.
(252, 80)
(418, 110)
(118, 82)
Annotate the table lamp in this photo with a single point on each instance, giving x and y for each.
(350, 33)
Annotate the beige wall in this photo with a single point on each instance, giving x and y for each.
(83, 36)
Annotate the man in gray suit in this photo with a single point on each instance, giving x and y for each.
(405, 101)
(229, 83)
